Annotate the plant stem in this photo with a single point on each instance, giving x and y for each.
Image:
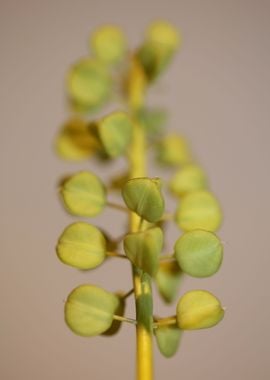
(165, 321)
(141, 281)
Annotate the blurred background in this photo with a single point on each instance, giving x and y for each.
(217, 93)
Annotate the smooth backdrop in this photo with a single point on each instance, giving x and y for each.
(217, 91)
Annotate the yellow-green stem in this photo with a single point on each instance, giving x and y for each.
(142, 282)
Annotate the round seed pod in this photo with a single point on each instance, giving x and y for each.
(82, 246)
(84, 194)
(199, 210)
(88, 84)
(198, 309)
(89, 310)
(109, 44)
(199, 253)
(189, 178)
(173, 150)
(115, 131)
(75, 142)
(161, 42)
(143, 196)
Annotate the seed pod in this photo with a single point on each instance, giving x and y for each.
(89, 310)
(115, 132)
(109, 44)
(75, 142)
(168, 280)
(88, 84)
(84, 194)
(199, 210)
(161, 42)
(168, 339)
(173, 151)
(198, 309)
(143, 249)
(143, 196)
(189, 178)
(82, 246)
(153, 120)
(199, 253)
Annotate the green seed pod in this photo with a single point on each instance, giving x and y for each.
(88, 84)
(199, 210)
(168, 280)
(109, 44)
(82, 246)
(75, 142)
(143, 196)
(168, 340)
(173, 151)
(161, 42)
(115, 131)
(199, 253)
(153, 120)
(143, 249)
(189, 178)
(84, 194)
(198, 309)
(89, 310)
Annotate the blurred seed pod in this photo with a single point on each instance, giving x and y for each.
(199, 210)
(83, 194)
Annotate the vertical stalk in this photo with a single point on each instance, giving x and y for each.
(142, 282)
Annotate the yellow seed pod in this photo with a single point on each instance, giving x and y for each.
(88, 84)
(136, 84)
(82, 246)
(75, 141)
(199, 210)
(173, 150)
(109, 44)
(164, 33)
(189, 178)
(89, 310)
(161, 42)
(84, 194)
(198, 309)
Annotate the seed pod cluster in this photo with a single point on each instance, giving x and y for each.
(124, 133)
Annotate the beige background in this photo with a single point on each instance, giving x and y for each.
(217, 91)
